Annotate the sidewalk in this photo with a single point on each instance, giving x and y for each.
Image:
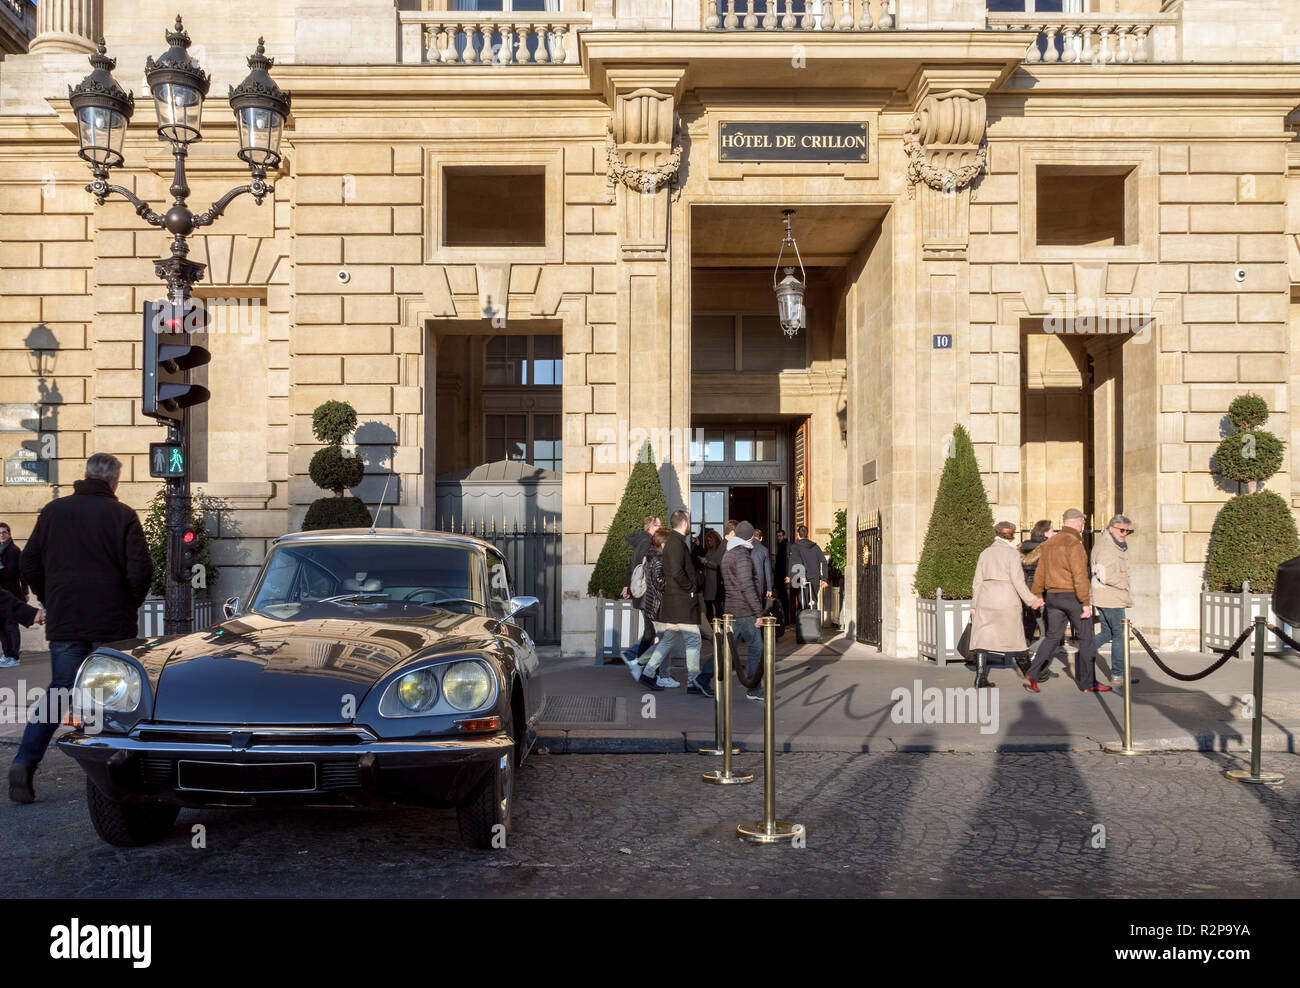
(828, 701)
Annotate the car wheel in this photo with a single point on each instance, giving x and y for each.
(128, 824)
(484, 816)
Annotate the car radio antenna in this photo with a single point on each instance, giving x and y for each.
(375, 520)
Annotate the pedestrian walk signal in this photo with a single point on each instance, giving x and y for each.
(166, 460)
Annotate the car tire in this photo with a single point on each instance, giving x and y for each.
(484, 816)
(128, 824)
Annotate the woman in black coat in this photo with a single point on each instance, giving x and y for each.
(1030, 551)
(712, 568)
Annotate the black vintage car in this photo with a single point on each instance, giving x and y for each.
(366, 666)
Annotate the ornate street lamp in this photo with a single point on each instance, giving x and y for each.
(179, 86)
(790, 290)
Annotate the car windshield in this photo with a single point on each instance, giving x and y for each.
(396, 578)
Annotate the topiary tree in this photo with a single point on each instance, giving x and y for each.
(1255, 531)
(644, 495)
(961, 525)
(330, 469)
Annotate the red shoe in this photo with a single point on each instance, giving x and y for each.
(1031, 684)
(1097, 688)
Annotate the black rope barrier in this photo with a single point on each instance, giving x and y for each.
(740, 669)
(1283, 636)
(1183, 677)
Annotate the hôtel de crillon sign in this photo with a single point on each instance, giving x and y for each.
(788, 140)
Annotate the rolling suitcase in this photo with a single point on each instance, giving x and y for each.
(808, 621)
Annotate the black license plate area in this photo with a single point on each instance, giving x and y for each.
(233, 777)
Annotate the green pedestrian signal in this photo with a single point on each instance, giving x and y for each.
(166, 460)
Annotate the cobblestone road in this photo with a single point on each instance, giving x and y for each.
(903, 824)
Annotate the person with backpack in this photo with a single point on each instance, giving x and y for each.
(634, 588)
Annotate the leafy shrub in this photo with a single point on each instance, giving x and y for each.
(1255, 531)
(332, 421)
(961, 526)
(155, 534)
(644, 495)
(333, 471)
(1253, 534)
(336, 512)
(837, 548)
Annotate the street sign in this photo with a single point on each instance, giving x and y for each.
(166, 460)
(25, 469)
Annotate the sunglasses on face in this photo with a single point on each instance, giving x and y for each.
(1124, 531)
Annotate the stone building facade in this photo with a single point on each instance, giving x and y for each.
(527, 234)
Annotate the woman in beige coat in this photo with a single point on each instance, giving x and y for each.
(999, 588)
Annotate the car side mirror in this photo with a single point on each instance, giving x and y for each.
(230, 608)
(522, 607)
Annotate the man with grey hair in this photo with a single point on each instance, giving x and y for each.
(1110, 588)
(88, 563)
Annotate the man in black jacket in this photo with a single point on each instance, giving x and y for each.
(679, 612)
(807, 568)
(87, 561)
(745, 599)
(11, 582)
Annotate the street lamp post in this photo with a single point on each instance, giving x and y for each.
(179, 85)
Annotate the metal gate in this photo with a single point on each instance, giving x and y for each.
(869, 580)
(532, 556)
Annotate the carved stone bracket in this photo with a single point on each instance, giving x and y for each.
(944, 142)
(646, 180)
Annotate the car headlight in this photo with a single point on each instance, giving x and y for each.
(467, 685)
(111, 682)
(417, 691)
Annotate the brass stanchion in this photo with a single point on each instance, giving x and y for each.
(717, 695)
(1126, 748)
(722, 688)
(769, 830)
(1257, 727)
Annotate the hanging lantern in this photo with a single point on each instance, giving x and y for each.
(790, 290)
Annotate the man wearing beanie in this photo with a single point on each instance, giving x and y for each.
(744, 598)
(1062, 581)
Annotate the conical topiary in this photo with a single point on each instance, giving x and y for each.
(644, 495)
(961, 525)
(1255, 531)
(331, 469)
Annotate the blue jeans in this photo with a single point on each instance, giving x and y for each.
(747, 630)
(1112, 628)
(43, 719)
(664, 650)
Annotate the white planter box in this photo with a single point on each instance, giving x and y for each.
(939, 624)
(153, 608)
(1225, 615)
(618, 627)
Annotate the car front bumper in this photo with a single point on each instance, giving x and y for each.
(198, 766)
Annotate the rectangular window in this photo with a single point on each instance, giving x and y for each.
(548, 362)
(713, 343)
(755, 445)
(547, 447)
(507, 360)
(764, 346)
(1086, 206)
(494, 207)
(507, 437)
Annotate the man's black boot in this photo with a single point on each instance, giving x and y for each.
(20, 784)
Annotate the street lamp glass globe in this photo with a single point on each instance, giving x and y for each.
(789, 301)
(260, 130)
(178, 107)
(101, 131)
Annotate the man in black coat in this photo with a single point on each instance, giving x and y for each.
(808, 568)
(679, 613)
(780, 566)
(87, 561)
(11, 582)
(745, 600)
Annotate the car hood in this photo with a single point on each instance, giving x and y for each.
(257, 670)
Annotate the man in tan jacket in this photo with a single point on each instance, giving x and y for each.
(1062, 581)
(1110, 588)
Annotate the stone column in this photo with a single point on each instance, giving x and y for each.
(67, 25)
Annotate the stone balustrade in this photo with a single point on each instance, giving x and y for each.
(799, 15)
(510, 38)
(1096, 39)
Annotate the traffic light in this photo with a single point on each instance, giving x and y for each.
(169, 352)
(183, 553)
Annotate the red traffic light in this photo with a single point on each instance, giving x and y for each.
(187, 536)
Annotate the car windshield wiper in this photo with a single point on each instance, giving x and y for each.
(354, 598)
